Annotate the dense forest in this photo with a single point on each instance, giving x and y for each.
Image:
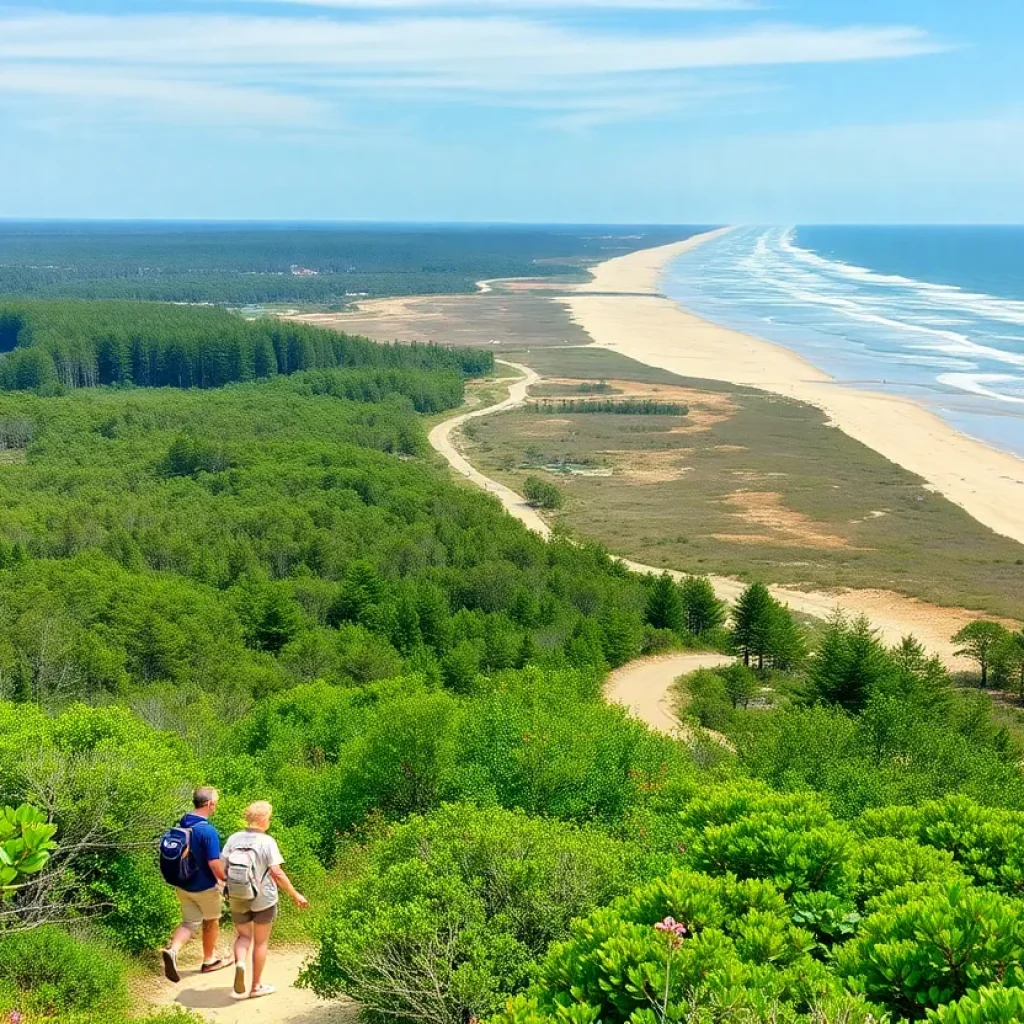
(49, 345)
(273, 588)
(239, 264)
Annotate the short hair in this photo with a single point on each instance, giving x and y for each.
(260, 811)
(204, 796)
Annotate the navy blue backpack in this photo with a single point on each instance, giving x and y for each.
(177, 863)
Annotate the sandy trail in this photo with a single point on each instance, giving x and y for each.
(893, 615)
(210, 995)
(626, 313)
(441, 441)
(643, 686)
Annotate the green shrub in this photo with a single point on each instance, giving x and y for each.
(885, 864)
(139, 908)
(451, 910)
(790, 839)
(988, 1005)
(709, 702)
(739, 958)
(988, 844)
(55, 974)
(541, 493)
(927, 945)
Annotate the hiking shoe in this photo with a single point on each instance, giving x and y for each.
(214, 965)
(262, 990)
(170, 959)
(239, 986)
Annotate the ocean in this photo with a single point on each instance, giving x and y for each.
(933, 313)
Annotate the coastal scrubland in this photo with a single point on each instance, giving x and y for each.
(272, 587)
(746, 484)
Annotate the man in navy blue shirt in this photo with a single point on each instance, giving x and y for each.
(200, 898)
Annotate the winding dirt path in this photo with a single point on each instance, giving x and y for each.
(210, 995)
(441, 440)
(643, 686)
(892, 615)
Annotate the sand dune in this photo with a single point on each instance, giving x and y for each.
(631, 317)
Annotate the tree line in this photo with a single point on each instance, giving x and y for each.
(68, 344)
(617, 406)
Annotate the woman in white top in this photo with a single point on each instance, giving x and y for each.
(254, 918)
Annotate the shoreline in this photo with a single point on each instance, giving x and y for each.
(627, 313)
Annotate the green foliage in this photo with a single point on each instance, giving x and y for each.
(849, 662)
(986, 844)
(48, 972)
(988, 1005)
(26, 845)
(450, 910)
(790, 839)
(620, 406)
(703, 610)
(664, 608)
(981, 641)
(541, 493)
(139, 910)
(927, 945)
(764, 631)
(740, 958)
(254, 264)
(709, 701)
(82, 344)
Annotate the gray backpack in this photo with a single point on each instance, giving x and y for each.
(241, 874)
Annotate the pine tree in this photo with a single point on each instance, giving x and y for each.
(787, 646)
(849, 663)
(665, 605)
(702, 609)
(752, 623)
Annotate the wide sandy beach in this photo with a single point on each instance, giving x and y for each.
(623, 310)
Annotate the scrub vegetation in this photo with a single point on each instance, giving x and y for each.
(273, 587)
(741, 483)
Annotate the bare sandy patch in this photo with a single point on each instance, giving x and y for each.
(649, 467)
(781, 525)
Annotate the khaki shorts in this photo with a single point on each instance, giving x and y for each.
(197, 907)
(242, 913)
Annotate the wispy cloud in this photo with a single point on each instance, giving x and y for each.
(177, 98)
(281, 68)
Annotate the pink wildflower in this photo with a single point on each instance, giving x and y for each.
(671, 926)
(14, 1017)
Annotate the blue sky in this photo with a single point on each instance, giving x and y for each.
(670, 111)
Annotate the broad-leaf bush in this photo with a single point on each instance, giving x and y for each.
(740, 958)
(925, 945)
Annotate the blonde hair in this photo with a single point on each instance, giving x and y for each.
(258, 813)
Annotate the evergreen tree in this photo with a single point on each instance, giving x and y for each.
(665, 605)
(787, 646)
(849, 663)
(702, 609)
(620, 636)
(752, 623)
(406, 635)
(278, 621)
